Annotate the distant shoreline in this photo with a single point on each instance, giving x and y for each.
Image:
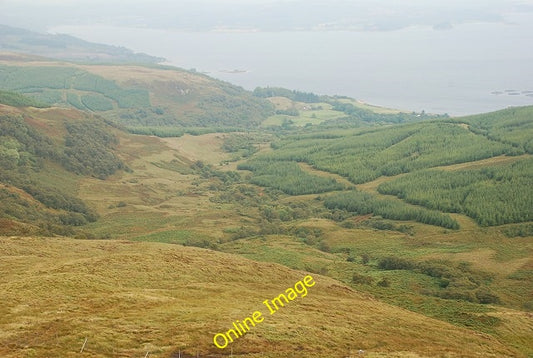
(234, 71)
(509, 92)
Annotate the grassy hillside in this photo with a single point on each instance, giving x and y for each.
(33, 158)
(138, 299)
(147, 99)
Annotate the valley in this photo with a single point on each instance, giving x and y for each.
(151, 225)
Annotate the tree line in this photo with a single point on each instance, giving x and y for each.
(288, 177)
(297, 96)
(361, 203)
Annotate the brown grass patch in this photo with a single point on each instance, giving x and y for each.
(128, 299)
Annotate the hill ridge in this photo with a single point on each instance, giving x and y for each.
(66, 47)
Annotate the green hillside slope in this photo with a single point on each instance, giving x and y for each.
(40, 168)
(158, 100)
(491, 197)
(17, 100)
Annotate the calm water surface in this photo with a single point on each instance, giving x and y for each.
(468, 69)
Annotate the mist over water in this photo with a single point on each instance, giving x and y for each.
(463, 70)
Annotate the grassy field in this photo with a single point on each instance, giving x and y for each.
(308, 113)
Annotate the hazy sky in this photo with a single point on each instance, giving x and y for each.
(265, 15)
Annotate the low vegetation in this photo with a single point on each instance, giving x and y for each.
(455, 281)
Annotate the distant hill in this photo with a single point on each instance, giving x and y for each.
(65, 47)
(169, 101)
(147, 99)
(133, 91)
